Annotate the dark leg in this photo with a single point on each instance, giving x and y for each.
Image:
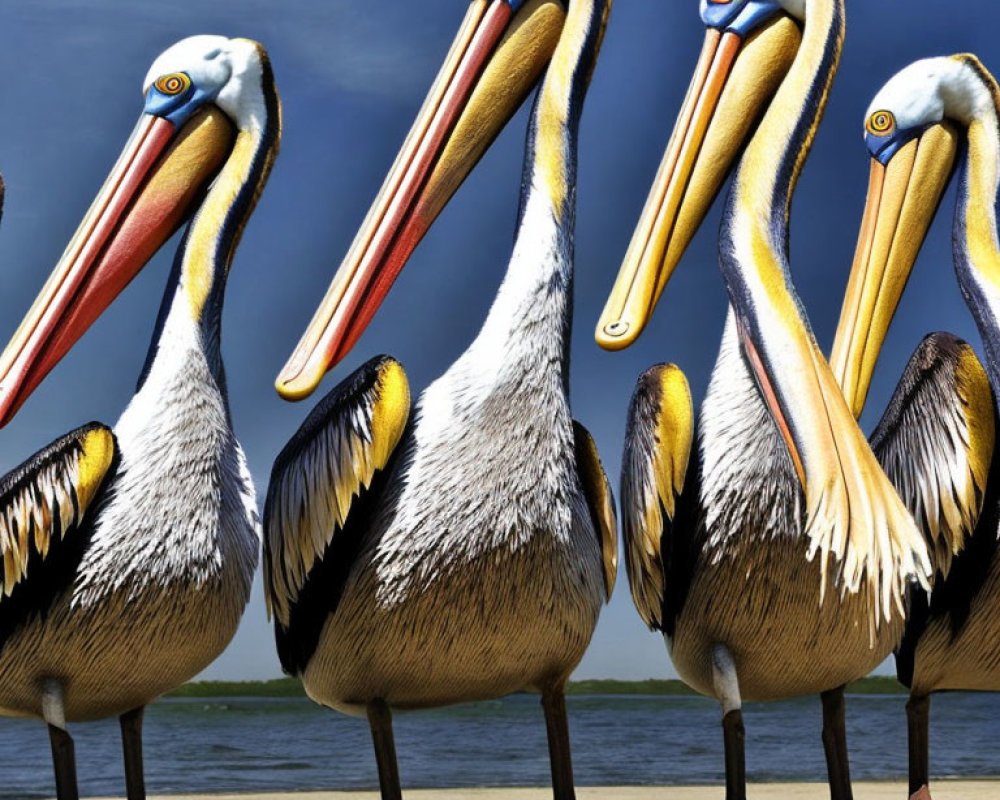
(918, 712)
(131, 723)
(727, 692)
(64, 759)
(380, 720)
(838, 763)
(557, 726)
(736, 767)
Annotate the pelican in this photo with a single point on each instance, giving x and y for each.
(128, 553)
(936, 439)
(463, 551)
(767, 545)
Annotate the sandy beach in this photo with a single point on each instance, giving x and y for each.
(943, 790)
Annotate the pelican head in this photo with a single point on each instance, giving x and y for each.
(749, 47)
(199, 95)
(501, 50)
(913, 131)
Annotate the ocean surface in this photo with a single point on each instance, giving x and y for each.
(236, 744)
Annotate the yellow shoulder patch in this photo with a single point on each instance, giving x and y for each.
(98, 453)
(390, 411)
(674, 434)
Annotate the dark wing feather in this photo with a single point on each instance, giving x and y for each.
(654, 467)
(935, 442)
(600, 499)
(43, 519)
(318, 477)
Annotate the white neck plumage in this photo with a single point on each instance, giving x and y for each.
(528, 326)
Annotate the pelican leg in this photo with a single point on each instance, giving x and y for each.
(727, 690)
(734, 736)
(918, 712)
(63, 752)
(838, 763)
(131, 725)
(380, 721)
(64, 760)
(557, 727)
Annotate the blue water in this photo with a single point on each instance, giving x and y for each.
(268, 745)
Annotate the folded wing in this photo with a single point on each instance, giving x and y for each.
(45, 519)
(654, 468)
(936, 439)
(315, 483)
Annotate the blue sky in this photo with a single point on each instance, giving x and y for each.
(352, 76)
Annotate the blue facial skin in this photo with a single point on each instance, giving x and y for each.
(883, 148)
(741, 17)
(177, 108)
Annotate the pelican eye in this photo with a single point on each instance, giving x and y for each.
(881, 123)
(173, 84)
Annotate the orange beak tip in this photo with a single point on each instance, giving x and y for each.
(291, 389)
(297, 385)
(290, 392)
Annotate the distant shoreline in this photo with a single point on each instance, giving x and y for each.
(292, 688)
(943, 790)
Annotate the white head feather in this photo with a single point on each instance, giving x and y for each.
(930, 90)
(227, 70)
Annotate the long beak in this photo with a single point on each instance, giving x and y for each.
(149, 193)
(903, 197)
(496, 59)
(732, 85)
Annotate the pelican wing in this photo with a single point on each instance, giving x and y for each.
(600, 499)
(935, 442)
(327, 465)
(43, 511)
(654, 468)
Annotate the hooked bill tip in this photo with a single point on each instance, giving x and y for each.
(292, 390)
(297, 382)
(617, 335)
